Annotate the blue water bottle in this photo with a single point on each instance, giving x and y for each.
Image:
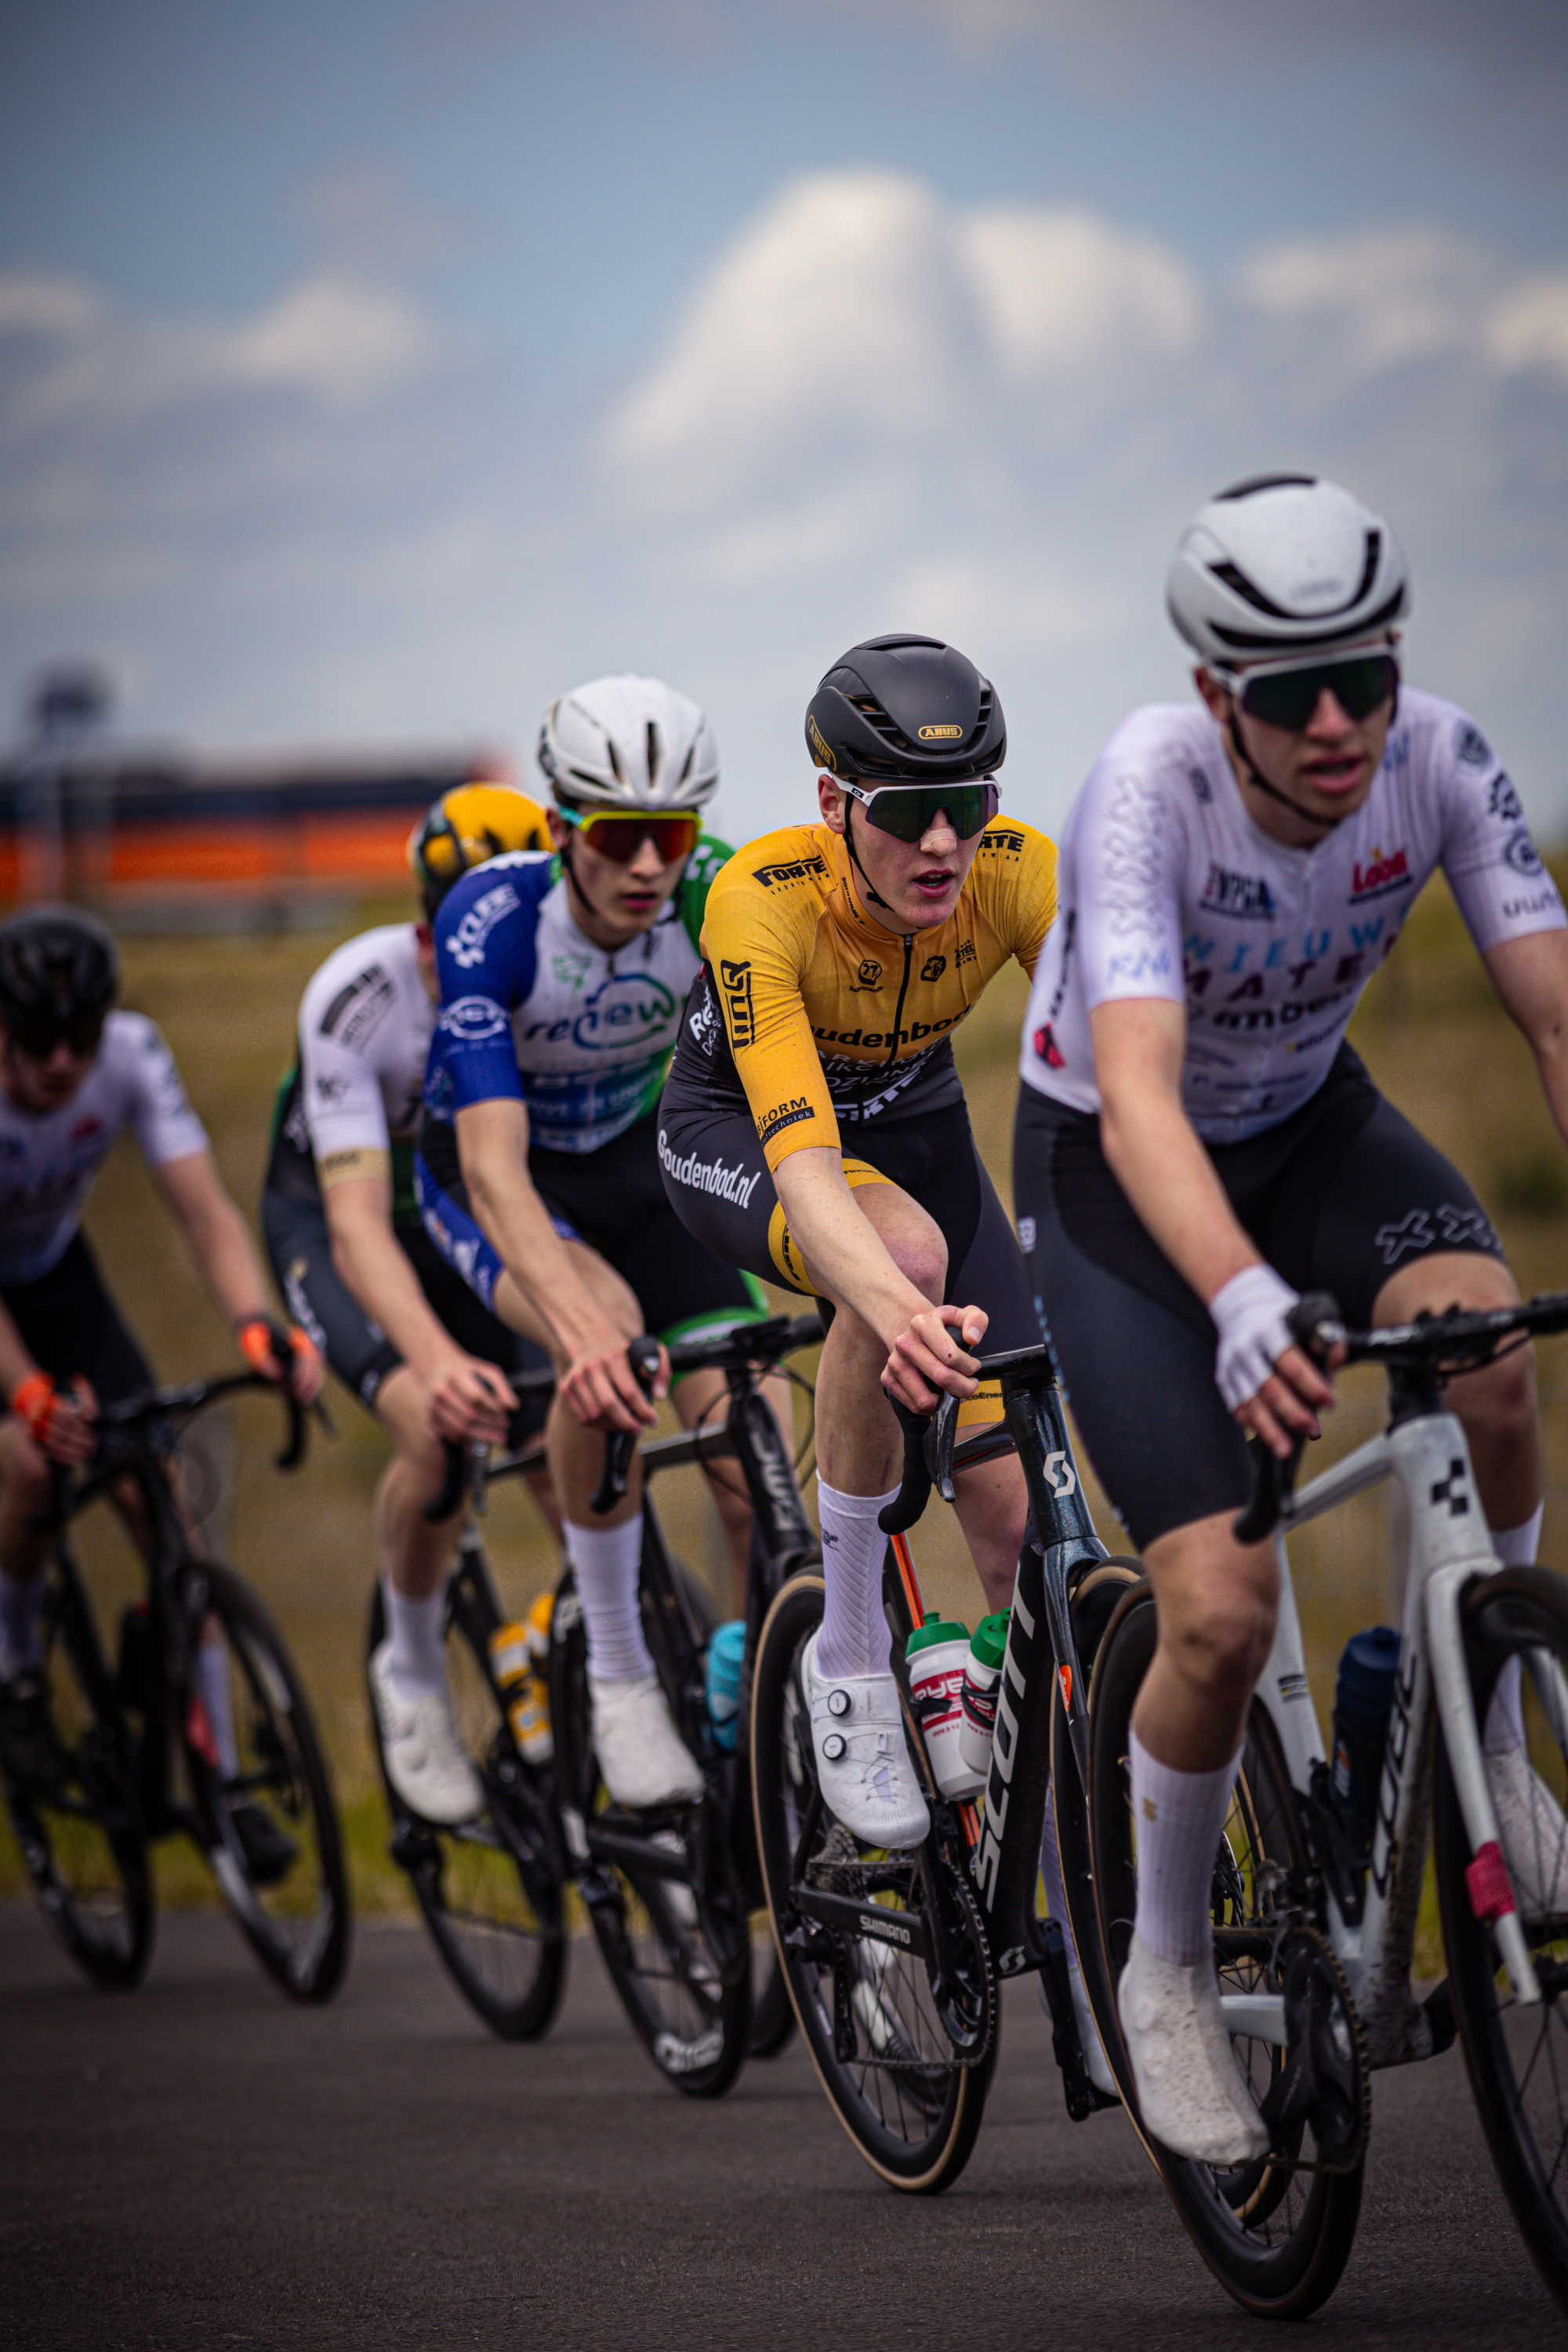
(1364, 1699)
(722, 1681)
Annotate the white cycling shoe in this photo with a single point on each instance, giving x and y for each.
(1190, 2094)
(1534, 1834)
(425, 1760)
(863, 1764)
(642, 1757)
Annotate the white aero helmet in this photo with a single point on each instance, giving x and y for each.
(628, 743)
(1282, 564)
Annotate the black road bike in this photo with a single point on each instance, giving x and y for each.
(671, 1895)
(130, 1755)
(894, 1959)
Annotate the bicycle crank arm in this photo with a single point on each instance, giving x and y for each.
(1491, 1896)
(1259, 2016)
(905, 1930)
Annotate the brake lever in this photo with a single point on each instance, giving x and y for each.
(642, 1354)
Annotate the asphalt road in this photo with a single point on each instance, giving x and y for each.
(198, 2165)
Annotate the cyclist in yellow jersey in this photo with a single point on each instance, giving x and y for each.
(814, 1131)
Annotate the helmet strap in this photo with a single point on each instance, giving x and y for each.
(1308, 816)
(855, 858)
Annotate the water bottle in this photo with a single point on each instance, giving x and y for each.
(981, 1673)
(1364, 1698)
(722, 1679)
(519, 1656)
(938, 1651)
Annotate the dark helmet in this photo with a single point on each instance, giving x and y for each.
(59, 971)
(906, 708)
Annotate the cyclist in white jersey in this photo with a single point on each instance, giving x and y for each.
(1197, 1145)
(74, 1076)
(562, 984)
(357, 1268)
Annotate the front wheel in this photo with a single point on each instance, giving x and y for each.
(1518, 2058)
(264, 1808)
(904, 2054)
(1277, 2233)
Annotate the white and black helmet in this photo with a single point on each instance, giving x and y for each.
(1282, 565)
(628, 743)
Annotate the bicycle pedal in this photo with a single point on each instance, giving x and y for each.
(412, 1849)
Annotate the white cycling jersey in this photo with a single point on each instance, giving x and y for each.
(49, 1160)
(1167, 888)
(350, 1105)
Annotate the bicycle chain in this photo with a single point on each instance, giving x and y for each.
(1324, 1958)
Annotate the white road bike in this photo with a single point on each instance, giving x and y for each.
(1314, 1919)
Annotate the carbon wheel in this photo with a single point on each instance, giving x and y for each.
(1276, 2233)
(904, 2053)
(491, 1891)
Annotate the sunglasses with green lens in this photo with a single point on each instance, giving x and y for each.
(909, 811)
(1285, 695)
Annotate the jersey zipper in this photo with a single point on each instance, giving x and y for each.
(903, 992)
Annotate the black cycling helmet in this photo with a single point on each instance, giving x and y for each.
(906, 709)
(59, 973)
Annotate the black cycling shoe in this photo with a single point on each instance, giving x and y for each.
(269, 1852)
(33, 1756)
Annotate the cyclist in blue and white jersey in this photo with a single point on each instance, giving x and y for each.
(74, 1075)
(1197, 1145)
(356, 1266)
(563, 981)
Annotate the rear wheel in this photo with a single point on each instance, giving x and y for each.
(675, 1942)
(1277, 2233)
(1518, 2058)
(269, 1827)
(79, 1824)
(904, 2053)
(491, 1890)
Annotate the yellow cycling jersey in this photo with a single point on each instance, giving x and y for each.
(822, 1015)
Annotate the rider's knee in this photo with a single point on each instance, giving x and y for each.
(920, 1252)
(1221, 1628)
(1499, 1401)
(23, 1468)
(613, 1297)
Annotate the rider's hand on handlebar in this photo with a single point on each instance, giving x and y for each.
(925, 1357)
(58, 1421)
(602, 1390)
(1287, 1406)
(471, 1401)
(282, 1351)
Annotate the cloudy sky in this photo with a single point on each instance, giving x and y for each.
(373, 372)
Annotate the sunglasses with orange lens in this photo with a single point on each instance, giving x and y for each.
(619, 833)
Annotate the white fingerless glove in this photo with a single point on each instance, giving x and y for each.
(1249, 1313)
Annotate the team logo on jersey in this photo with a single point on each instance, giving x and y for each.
(470, 1020)
(1380, 873)
(965, 953)
(788, 1114)
(1201, 788)
(1246, 894)
(1046, 1046)
(868, 976)
(1470, 746)
(1003, 839)
(624, 1010)
(704, 1021)
(331, 1085)
(735, 980)
(570, 971)
(1502, 801)
(934, 967)
(1522, 852)
(797, 872)
(466, 945)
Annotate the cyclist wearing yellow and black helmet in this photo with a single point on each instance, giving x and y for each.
(353, 1260)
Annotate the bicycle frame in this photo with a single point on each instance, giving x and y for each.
(1373, 1932)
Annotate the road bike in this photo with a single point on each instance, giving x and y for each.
(894, 1961)
(1314, 1914)
(670, 1895)
(131, 1751)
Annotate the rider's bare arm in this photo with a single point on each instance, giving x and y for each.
(220, 1242)
(850, 1260)
(1531, 975)
(590, 1352)
(1157, 1159)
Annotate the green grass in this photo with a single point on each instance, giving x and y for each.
(1430, 1027)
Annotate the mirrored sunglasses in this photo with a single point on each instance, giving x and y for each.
(1286, 695)
(909, 811)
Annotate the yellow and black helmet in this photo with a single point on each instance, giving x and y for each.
(467, 825)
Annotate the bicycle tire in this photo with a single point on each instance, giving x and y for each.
(681, 1972)
(491, 1893)
(1276, 2236)
(913, 2106)
(83, 1841)
(295, 1917)
(1517, 2059)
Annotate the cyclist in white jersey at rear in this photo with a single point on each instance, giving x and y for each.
(562, 983)
(357, 1268)
(1197, 1145)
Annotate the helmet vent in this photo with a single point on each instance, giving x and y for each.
(652, 752)
(1256, 482)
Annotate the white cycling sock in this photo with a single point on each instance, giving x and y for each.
(606, 1560)
(20, 1603)
(1179, 1818)
(416, 1658)
(853, 1639)
(212, 1682)
(1515, 1548)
